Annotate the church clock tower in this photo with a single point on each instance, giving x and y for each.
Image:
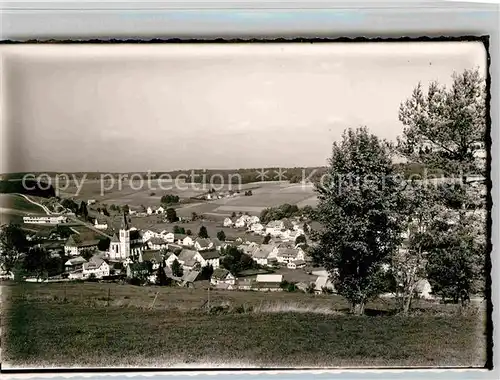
(124, 238)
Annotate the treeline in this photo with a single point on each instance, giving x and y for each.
(285, 211)
(29, 187)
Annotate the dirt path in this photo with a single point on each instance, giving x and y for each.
(44, 208)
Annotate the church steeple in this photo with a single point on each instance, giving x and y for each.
(124, 225)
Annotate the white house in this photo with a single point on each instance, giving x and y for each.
(188, 241)
(168, 236)
(160, 210)
(208, 258)
(148, 234)
(149, 211)
(296, 264)
(287, 255)
(242, 221)
(96, 266)
(222, 276)
(228, 222)
(261, 254)
(100, 224)
(252, 220)
(275, 227)
(157, 243)
(258, 228)
(201, 244)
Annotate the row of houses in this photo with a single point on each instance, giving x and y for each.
(283, 229)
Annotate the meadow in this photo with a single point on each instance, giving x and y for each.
(13, 207)
(264, 195)
(78, 325)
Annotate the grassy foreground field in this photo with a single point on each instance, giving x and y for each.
(41, 328)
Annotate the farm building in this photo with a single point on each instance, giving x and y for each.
(268, 282)
(45, 219)
(228, 222)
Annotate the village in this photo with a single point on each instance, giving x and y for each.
(278, 251)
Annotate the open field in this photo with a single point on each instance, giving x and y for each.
(20, 204)
(265, 194)
(38, 323)
(13, 207)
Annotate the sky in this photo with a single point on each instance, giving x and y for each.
(124, 108)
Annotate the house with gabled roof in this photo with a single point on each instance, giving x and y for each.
(75, 263)
(218, 244)
(209, 258)
(168, 236)
(187, 258)
(287, 255)
(261, 255)
(227, 222)
(77, 243)
(202, 244)
(170, 257)
(189, 277)
(188, 241)
(222, 276)
(155, 257)
(96, 266)
(296, 264)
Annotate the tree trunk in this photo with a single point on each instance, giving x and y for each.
(358, 308)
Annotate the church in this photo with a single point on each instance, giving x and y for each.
(126, 243)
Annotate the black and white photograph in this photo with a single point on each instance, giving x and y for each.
(265, 204)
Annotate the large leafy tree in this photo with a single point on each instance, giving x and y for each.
(235, 260)
(177, 268)
(202, 233)
(445, 130)
(358, 203)
(446, 127)
(171, 215)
